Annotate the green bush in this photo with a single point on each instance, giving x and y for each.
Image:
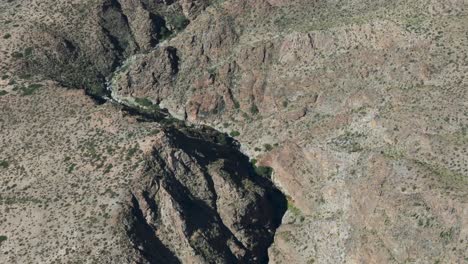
(254, 109)
(2, 238)
(267, 147)
(145, 102)
(234, 133)
(4, 164)
(7, 36)
(2, 93)
(96, 90)
(179, 22)
(222, 139)
(263, 171)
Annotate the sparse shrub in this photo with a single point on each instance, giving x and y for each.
(108, 168)
(447, 235)
(71, 168)
(2, 239)
(25, 76)
(7, 36)
(254, 109)
(3, 92)
(131, 152)
(212, 70)
(17, 55)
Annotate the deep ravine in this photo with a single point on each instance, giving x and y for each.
(199, 197)
(207, 175)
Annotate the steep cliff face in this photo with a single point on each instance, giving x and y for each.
(202, 199)
(359, 107)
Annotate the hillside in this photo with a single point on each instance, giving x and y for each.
(211, 131)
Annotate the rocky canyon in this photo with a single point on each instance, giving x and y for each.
(233, 131)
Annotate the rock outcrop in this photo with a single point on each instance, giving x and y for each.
(201, 199)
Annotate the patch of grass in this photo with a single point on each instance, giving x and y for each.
(447, 177)
(19, 200)
(145, 102)
(132, 151)
(29, 90)
(28, 52)
(17, 55)
(349, 141)
(292, 208)
(393, 153)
